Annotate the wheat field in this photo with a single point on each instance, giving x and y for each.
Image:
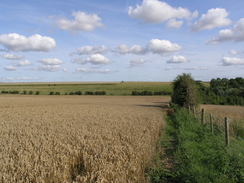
(79, 139)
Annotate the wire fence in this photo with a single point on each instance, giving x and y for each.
(216, 124)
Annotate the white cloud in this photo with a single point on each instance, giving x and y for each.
(18, 78)
(234, 34)
(155, 11)
(162, 46)
(87, 50)
(213, 18)
(88, 70)
(81, 22)
(233, 52)
(51, 61)
(10, 56)
(10, 68)
(95, 59)
(49, 68)
(177, 59)
(135, 49)
(173, 23)
(228, 61)
(23, 63)
(16, 42)
(137, 62)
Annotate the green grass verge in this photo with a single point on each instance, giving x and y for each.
(196, 155)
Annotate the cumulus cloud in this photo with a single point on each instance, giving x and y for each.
(51, 61)
(135, 49)
(92, 70)
(16, 42)
(162, 46)
(87, 50)
(10, 56)
(23, 63)
(137, 62)
(173, 23)
(94, 59)
(81, 22)
(235, 34)
(10, 68)
(155, 11)
(18, 78)
(228, 61)
(177, 59)
(49, 68)
(213, 18)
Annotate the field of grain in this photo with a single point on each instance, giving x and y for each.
(79, 139)
(111, 88)
(233, 112)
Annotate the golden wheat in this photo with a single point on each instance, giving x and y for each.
(57, 139)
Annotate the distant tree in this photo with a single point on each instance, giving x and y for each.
(185, 92)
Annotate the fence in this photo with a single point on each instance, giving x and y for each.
(216, 124)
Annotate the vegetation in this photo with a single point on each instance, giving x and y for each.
(185, 91)
(88, 139)
(113, 88)
(197, 155)
(223, 91)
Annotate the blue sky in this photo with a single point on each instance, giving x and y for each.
(130, 40)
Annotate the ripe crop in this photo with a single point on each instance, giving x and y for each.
(57, 139)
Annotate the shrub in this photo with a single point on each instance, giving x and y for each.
(57, 93)
(4, 92)
(78, 93)
(30, 92)
(51, 93)
(89, 93)
(37, 93)
(24, 92)
(185, 91)
(100, 93)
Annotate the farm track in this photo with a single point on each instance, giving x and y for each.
(55, 139)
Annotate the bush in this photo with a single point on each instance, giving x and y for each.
(24, 92)
(30, 92)
(4, 92)
(57, 93)
(37, 93)
(78, 93)
(185, 91)
(100, 93)
(89, 93)
(51, 93)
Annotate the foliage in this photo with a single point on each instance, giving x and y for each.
(198, 155)
(223, 91)
(185, 91)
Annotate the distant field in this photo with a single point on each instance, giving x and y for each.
(233, 112)
(111, 88)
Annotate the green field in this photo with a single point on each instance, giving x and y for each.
(111, 88)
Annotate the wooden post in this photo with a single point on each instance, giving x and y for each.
(194, 111)
(211, 123)
(227, 137)
(202, 116)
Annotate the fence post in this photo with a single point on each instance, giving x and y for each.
(194, 111)
(227, 138)
(202, 116)
(211, 123)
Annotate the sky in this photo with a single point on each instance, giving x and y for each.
(120, 40)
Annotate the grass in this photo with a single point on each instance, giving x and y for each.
(197, 155)
(113, 88)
